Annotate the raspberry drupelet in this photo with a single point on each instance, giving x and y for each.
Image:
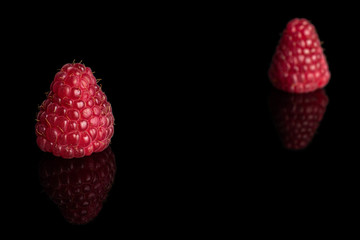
(76, 119)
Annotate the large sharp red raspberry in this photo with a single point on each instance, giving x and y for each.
(299, 64)
(76, 119)
(297, 116)
(78, 186)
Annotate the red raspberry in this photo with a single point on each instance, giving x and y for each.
(76, 119)
(297, 116)
(78, 186)
(299, 64)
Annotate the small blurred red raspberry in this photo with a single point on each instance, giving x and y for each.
(299, 64)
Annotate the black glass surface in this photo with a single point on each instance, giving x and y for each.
(199, 144)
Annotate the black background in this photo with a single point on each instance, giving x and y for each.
(195, 146)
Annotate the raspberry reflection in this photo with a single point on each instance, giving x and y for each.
(297, 116)
(78, 186)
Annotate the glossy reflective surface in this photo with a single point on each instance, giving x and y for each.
(297, 116)
(78, 186)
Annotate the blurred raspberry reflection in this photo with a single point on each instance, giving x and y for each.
(78, 186)
(297, 116)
